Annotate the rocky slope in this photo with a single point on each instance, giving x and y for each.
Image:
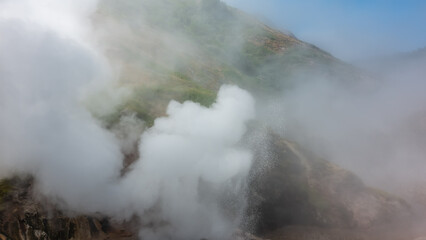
(184, 50)
(289, 187)
(24, 217)
(297, 188)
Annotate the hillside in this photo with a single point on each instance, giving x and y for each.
(185, 50)
(293, 195)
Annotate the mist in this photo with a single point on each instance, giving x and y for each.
(189, 160)
(70, 75)
(373, 127)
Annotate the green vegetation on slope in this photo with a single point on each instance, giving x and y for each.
(150, 102)
(185, 50)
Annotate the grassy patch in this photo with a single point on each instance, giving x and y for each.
(198, 95)
(150, 102)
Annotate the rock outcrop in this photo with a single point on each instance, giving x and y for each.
(296, 188)
(23, 217)
(289, 186)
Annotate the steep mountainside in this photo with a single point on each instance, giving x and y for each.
(184, 50)
(297, 188)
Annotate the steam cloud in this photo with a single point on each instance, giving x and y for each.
(194, 144)
(189, 160)
(374, 128)
(191, 165)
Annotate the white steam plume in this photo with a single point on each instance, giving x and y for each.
(66, 17)
(378, 134)
(194, 145)
(189, 160)
(45, 131)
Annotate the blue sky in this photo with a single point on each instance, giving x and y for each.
(349, 29)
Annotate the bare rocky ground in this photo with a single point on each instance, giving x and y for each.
(23, 217)
(409, 230)
(295, 197)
